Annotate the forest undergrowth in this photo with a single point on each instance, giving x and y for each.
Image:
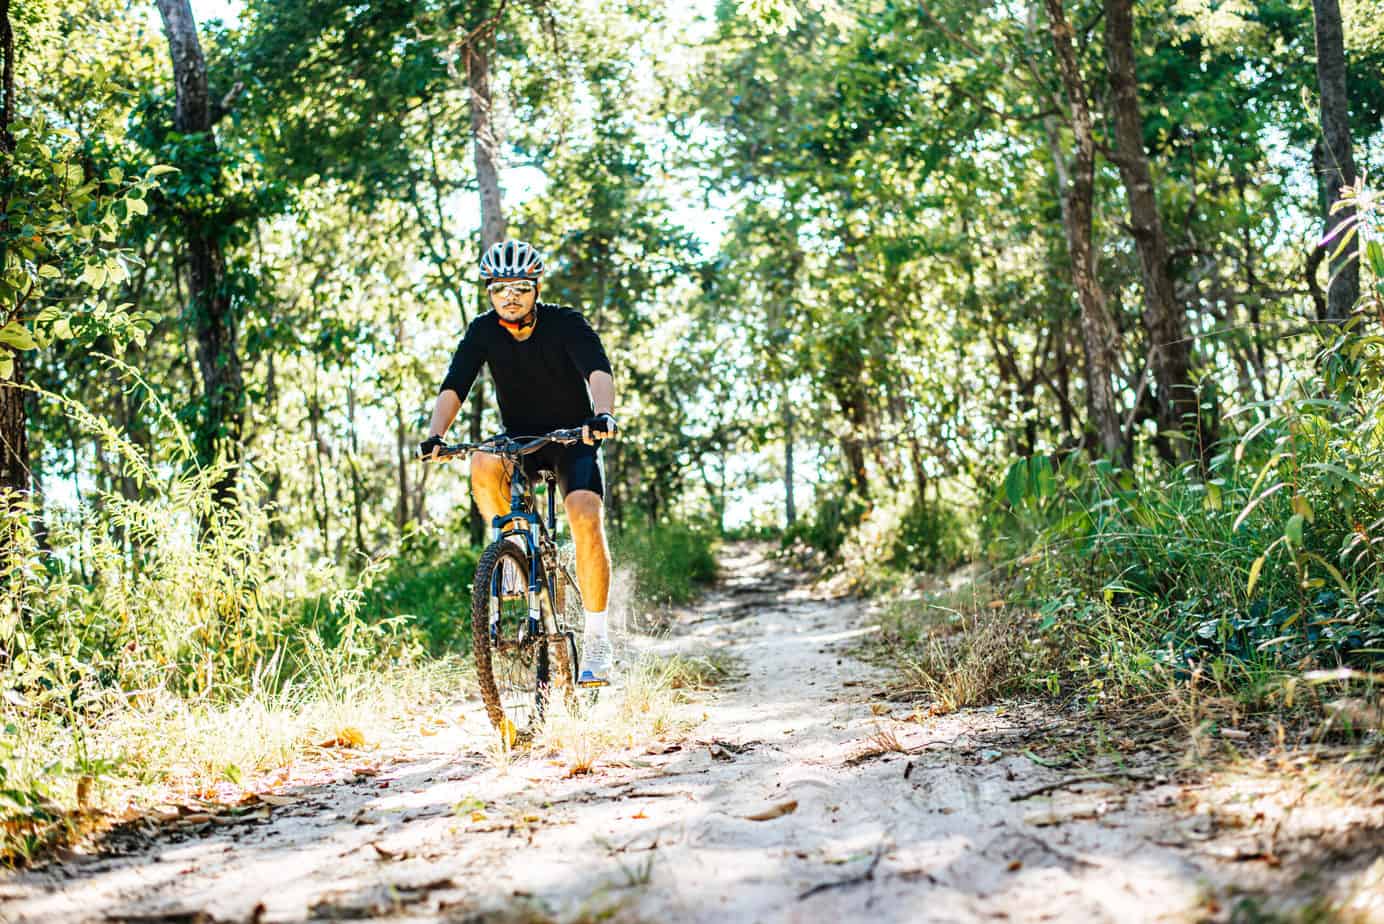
(167, 648)
(1242, 588)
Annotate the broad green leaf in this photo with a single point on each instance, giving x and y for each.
(1375, 252)
(6, 364)
(62, 329)
(48, 271)
(94, 275)
(116, 175)
(1016, 483)
(1213, 497)
(1302, 508)
(1294, 529)
(160, 170)
(16, 335)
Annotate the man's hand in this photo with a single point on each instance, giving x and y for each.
(600, 427)
(429, 447)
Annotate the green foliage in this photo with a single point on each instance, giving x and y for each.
(425, 591)
(671, 560)
(830, 522)
(1269, 560)
(932, 537)
(60, 268)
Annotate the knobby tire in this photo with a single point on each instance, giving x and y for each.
(492, 559)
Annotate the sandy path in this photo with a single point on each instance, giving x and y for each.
(665, 832)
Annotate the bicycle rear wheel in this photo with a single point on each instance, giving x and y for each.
(511, 657)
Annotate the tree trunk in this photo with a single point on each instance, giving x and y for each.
(401, 511)
(357, 486)
(1099, 335)
(210, 305)
(493, 227)
(790, 507)
(1169, 348)
(486, 142)
(1338, 167)
(14, 419)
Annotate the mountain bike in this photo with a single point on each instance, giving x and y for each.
(525, 603)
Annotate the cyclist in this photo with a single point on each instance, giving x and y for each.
(550, 372)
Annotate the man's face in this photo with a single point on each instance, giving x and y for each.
(508, 299)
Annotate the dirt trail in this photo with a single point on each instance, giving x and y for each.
(681, 831)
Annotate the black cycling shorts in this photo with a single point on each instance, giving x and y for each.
(578, 467)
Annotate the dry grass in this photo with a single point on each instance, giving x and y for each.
(644, 709)
(160, 747)
(970, 665)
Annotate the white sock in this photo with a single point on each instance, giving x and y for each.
(596, 624)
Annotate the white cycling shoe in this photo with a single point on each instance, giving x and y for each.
(596, 657)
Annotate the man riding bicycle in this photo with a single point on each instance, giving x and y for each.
(550, 372)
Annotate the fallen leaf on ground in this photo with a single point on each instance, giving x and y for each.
(348, 737)
(774, 811)
(879, 708)
(268, 798)
(388, 853)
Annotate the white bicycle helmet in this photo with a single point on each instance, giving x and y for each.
(512, 260)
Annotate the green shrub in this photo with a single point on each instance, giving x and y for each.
(831, 521)
(670, 560)
(1269, 560)
(422, 594)
(931, 537)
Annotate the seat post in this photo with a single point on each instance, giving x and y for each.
(552, 502)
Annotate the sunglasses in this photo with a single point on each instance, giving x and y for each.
(521, 287)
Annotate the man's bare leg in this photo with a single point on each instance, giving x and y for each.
(490, 485)
(586, 515)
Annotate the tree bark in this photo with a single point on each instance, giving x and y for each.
(493, 226)
(1099, 335)
(210, 306)
(486, 142)
(1169, 348)
(14, 418)
(790, 507)
(1338, 167)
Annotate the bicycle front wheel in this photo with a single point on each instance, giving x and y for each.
(511, 655)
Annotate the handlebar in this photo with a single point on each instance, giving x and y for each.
(505, 445)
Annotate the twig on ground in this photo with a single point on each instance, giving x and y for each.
(866, 876)
(1074, 780)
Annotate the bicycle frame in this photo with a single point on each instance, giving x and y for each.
(536, 534)
(545, 572)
